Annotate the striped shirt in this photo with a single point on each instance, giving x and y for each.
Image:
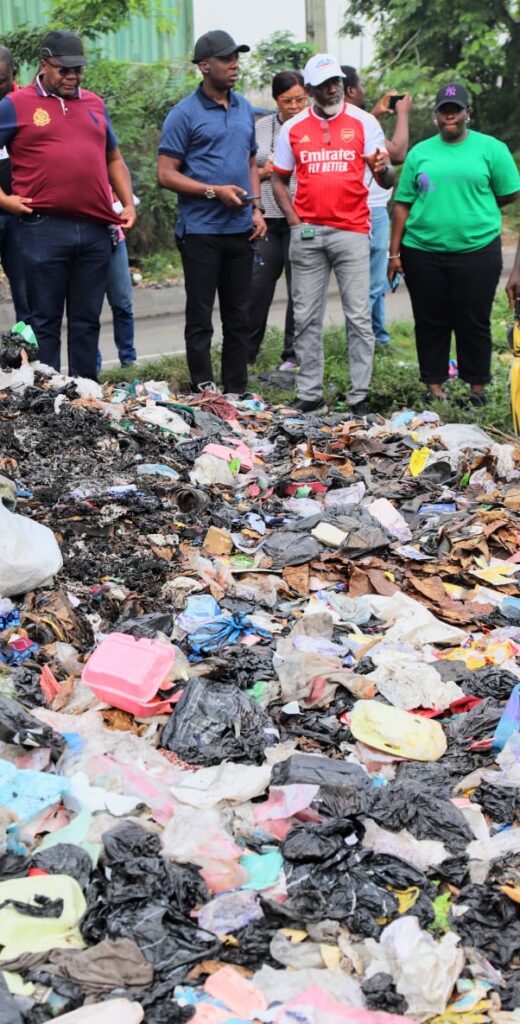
(267, 132)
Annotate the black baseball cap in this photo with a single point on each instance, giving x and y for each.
(452, 93)
(216, 44)
(65, 47)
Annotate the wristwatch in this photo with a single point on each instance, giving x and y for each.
(257, 206)
(210, 193)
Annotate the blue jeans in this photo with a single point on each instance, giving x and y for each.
(378, 269)
(12, 263)
(66, 264)
(119, 295)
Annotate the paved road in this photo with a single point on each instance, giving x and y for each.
(159, 314)
(164, 333)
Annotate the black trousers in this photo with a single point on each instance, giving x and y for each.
(453, 292)
(223, 264)
(274, 251)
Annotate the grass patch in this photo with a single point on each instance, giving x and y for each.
(162, 267)
(395, 382)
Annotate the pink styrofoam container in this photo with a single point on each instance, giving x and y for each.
(127, 673)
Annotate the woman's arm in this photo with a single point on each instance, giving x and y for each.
(399, 218)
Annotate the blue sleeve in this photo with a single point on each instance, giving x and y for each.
(254, 144)
(8, 120)
(111, 135)
(176, 132)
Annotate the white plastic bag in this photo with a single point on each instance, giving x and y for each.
(29, 553)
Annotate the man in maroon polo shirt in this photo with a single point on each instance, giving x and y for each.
(64, 160)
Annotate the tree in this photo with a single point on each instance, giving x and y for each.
(279, 52)
(476, 42)
(91, 18)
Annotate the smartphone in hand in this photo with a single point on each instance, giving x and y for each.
(393, 100)
(248, 199)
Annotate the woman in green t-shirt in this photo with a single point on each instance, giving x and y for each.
(445, 238)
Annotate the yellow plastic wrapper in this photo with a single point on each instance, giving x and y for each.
(397, 732)
(418, 460)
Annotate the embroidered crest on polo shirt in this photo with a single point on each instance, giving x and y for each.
(41, 117)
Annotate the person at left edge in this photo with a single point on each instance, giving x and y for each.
(10, 251)
(207, 155)
(64, 160)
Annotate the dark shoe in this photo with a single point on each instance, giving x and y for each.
(359, 409)
(478, 399)
(318, 406)
(430, 398)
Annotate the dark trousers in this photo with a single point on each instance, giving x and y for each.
(223, 264)
(66, 265)
(274, 252)
(12, 263)
(453, 292)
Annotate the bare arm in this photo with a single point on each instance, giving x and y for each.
(397, 146)
(513, 281)
(282, 196)
(170, 176)
(121, 182)
(383, 173)
(400, 216)
(14, 204)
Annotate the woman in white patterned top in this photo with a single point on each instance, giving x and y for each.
(289, 94)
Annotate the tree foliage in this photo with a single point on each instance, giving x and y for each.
(279, 52)
(476, 42)
(92, 18)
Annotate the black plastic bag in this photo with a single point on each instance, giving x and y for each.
(216, 721)
(253, 946)
(424, 814)
(291, 548)
(498, 802)
(65, 859)
(43, 906)
(381, 994)
(321, 843)
(147, 625)
(242, 665)
(18, 726)
(314, 770)
(489, 682)
(138, 871)
(478, 724)
(490, 923)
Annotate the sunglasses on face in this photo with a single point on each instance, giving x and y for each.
(77, 70)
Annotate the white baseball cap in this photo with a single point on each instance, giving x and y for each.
(321, 67)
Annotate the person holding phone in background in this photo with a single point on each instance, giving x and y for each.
(207, 155)
(289, 94)
(378, 198)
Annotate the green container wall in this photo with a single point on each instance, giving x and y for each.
(144, 41)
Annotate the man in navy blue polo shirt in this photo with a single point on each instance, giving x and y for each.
(207, 155)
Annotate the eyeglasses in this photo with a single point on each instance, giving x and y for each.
(78, 70)
(291, 101)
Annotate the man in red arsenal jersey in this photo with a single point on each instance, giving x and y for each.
(64, 160)
(330, 145)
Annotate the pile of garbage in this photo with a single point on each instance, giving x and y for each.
(259, 711)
